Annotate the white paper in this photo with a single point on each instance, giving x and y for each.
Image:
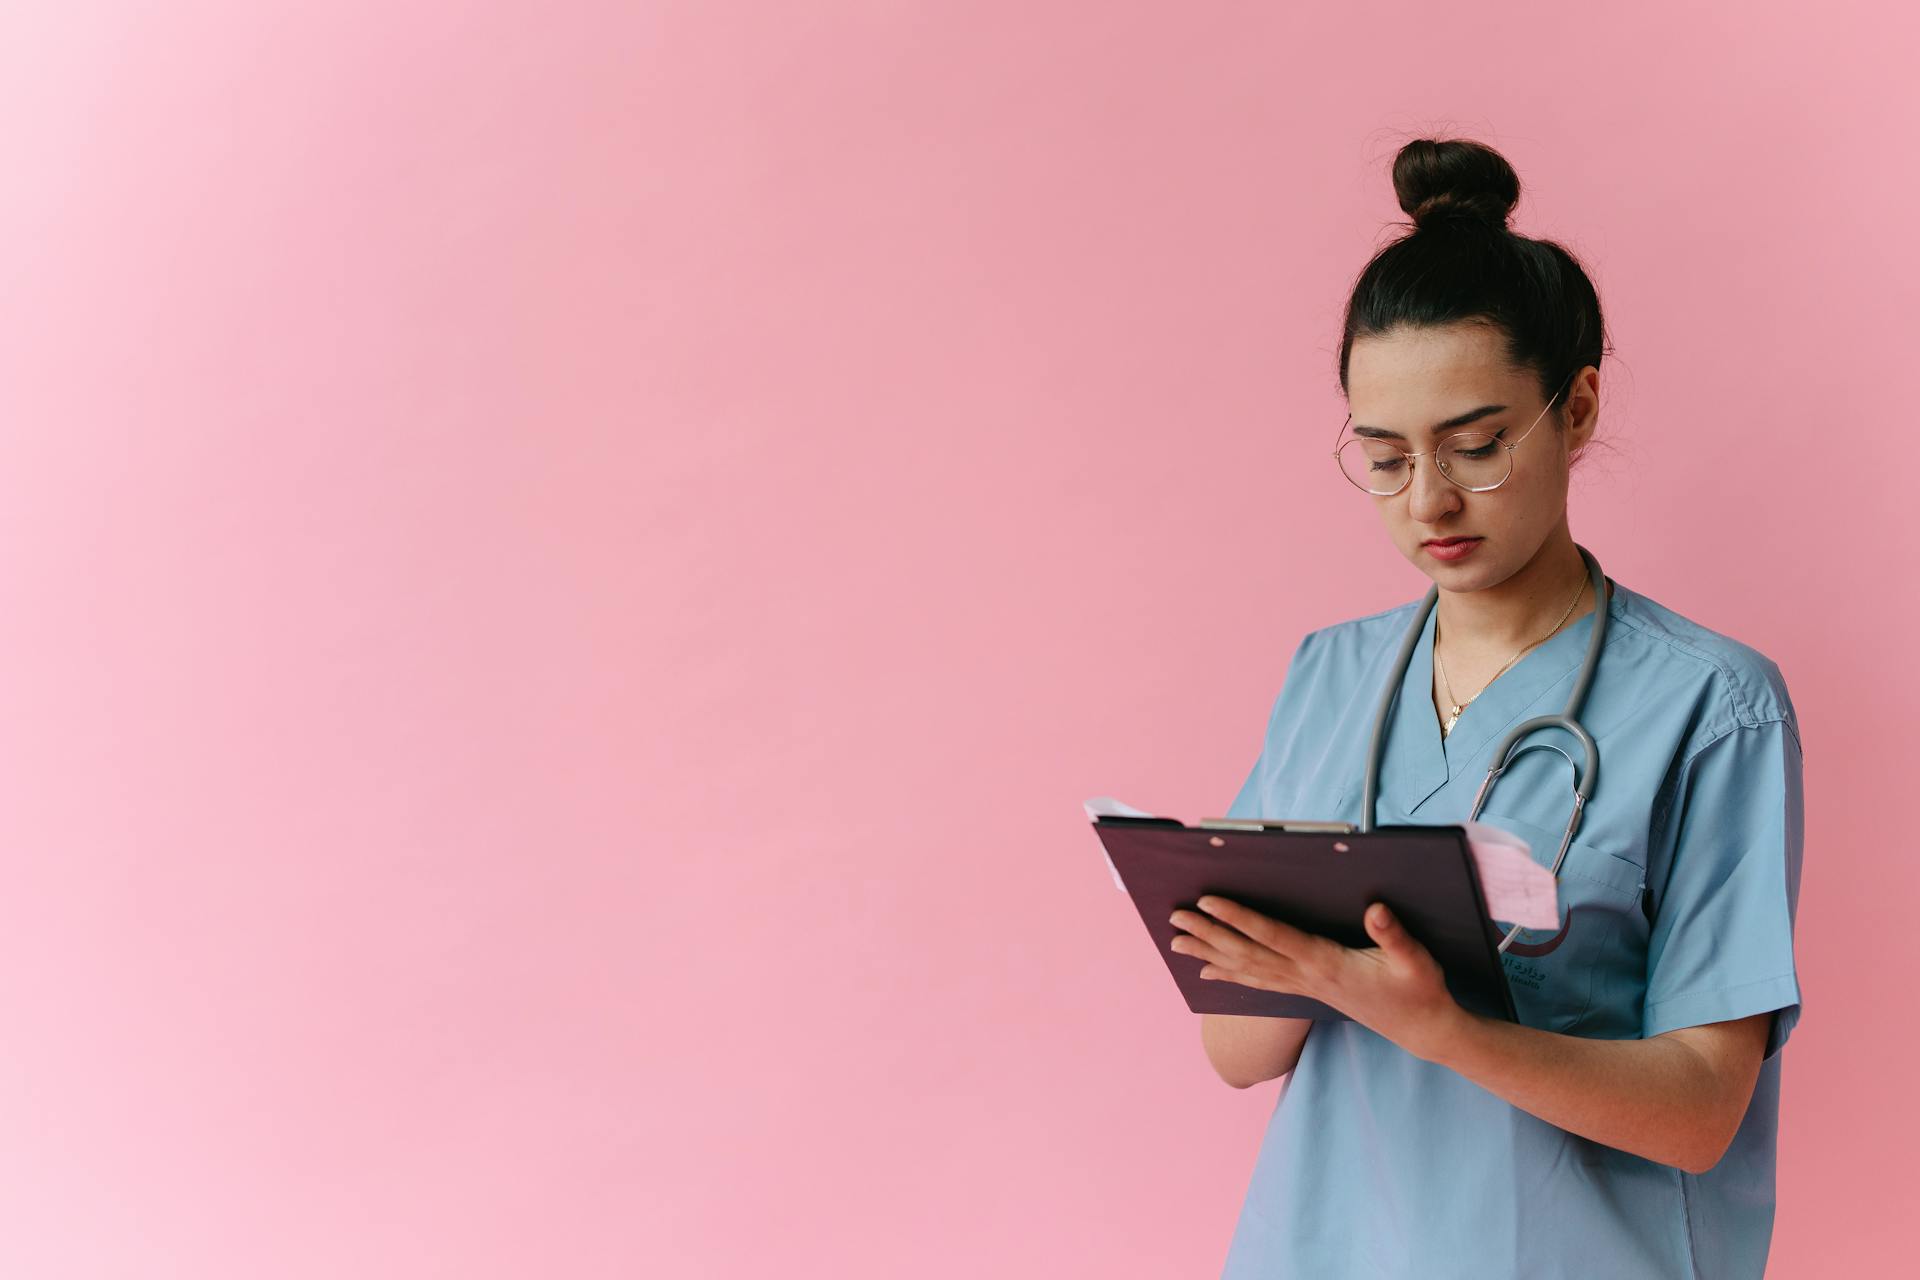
(1109, 807)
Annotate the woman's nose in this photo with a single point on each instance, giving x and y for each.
(1430, 495)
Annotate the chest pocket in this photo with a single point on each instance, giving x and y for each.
(1589, 974)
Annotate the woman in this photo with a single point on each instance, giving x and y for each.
(1624, 1127)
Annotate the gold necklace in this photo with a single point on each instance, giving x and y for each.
(1446, 726)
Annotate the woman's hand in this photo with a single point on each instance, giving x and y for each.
(1394, 987)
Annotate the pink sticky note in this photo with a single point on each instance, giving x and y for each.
(1518, 889)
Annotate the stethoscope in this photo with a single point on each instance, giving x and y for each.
(1504, 754)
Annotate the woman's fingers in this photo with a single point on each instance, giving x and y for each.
(1283, 939)
(1188, 945)
(1228, 944)
(1238, 956)
(1215, 963)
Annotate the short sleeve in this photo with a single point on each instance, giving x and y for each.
(1727, 879)
(1261, 777)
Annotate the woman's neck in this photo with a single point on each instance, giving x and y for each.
(1521, 610)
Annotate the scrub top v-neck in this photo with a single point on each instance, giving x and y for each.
(1677, 902)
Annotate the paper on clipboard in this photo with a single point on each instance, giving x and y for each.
(1518, 890)
(1107, 806)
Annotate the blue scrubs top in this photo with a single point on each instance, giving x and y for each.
(1677, 902)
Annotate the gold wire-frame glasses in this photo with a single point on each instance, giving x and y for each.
(1468, 456)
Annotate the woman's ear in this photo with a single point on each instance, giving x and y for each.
(1581, 412)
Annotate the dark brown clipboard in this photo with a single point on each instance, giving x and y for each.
(1319, 877)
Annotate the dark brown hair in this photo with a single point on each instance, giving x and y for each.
(1460, 262)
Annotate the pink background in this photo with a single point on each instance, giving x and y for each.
(567, 569)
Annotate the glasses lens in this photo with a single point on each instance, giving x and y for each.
(1373, 465)
(1474, 461)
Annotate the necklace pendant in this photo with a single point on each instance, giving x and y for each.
(1447, 727)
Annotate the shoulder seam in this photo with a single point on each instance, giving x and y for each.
(1743, 714)
(1369, 617)
(1687, 764)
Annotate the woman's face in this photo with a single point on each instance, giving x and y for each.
(1411, 379)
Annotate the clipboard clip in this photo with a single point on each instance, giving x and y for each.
(1256, 824)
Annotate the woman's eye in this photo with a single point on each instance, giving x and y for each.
(1484, 451)
(1386, 464)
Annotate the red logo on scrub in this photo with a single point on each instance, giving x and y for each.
(1519, 948)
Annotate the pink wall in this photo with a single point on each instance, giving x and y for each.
(568, 568)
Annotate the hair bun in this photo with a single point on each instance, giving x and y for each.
(1438, 179)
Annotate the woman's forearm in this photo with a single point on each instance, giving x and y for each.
(1659, 1098)
(1246, 1050)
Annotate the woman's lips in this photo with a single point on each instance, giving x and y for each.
(1454, 550)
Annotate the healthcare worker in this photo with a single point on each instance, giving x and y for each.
(1625, 1126)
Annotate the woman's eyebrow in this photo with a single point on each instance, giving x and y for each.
(1472, 415)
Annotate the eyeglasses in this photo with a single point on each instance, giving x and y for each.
(1469, 459)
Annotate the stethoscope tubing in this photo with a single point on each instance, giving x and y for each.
(1587, 772)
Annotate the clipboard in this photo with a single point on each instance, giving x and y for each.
(1316, 876)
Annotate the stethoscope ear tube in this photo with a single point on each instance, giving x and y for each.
(1383, 712)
